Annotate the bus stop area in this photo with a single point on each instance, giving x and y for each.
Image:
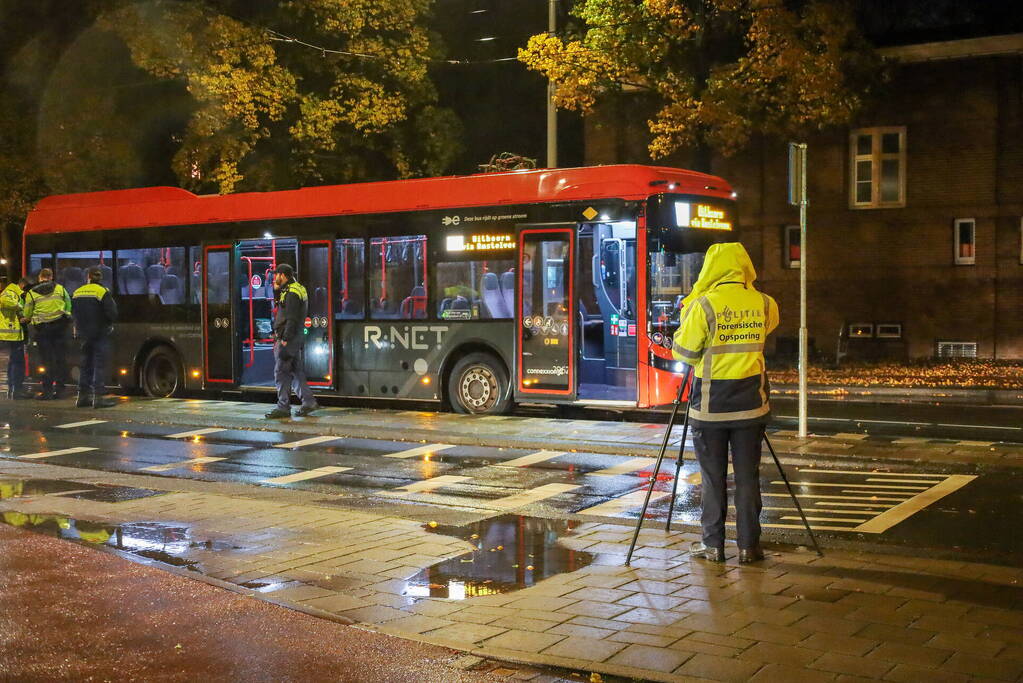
(504, 540)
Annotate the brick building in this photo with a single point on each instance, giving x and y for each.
(915, 237)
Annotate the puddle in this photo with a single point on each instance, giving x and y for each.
(100, 493)
(165, 543)
(512, 552)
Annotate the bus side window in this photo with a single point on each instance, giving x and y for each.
(397, 277)
(351, 264)
(72, 267)
(161, 273)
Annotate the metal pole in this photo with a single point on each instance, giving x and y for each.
(552, 112)
(802, 293)
(792, 493)
(681, 454)
(657, 467)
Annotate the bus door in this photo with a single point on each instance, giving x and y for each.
(545, 353)
(218, 322)
(317, 275)
(608, 312)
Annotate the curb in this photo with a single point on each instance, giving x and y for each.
(980, 396)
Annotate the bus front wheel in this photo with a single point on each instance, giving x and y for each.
(479, 385)
(162, 373)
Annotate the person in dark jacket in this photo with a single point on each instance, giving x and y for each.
(95, 313)
(289, 345)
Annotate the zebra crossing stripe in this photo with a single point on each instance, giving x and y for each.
(196, 432)
(181, 463)
(85, 423)
(630, 465)
(616, 507)
(421, 450)
(424, 486)
(532, 495)
(63, 451)
(532, 458)
(310, 441)
(308, 474)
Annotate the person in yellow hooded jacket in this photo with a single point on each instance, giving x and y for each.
(12, 335)
(724, 325)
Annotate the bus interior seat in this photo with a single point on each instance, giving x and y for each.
(445, 304)
(414, 305)
(350, 307)
(154, 276)
(460, 303)
(593, 332)
(131, 279)
(71, 278)
(171, 291)
(493, 300)
(508, 291)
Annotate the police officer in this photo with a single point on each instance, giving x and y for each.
(12, 335)
(95, 313)
(289, 345)
(48, 308)
(725, 322)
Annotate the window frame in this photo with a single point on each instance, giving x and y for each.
(938, 344)
(876, 157)
(866, 335)
(888, 335)
(957, 259)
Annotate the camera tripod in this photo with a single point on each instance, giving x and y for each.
(687, 381)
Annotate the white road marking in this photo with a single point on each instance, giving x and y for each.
(906, 509)
(63, 451)
(181, 463)
(531, 496)
(928, 482)
(871, 474)
(910, 440)
(617, 506)
(696, 478)
(851, 486)
(942, 424)
(821, 496)
(421, 450)
(982, 444)
(309, 474)
(630, 465)
(849, 435)
(196, 432)
(532, 458)
(906, 495)
(824, 519)
(310, 441)
(424, 486)
(85, 423)
(853, 505)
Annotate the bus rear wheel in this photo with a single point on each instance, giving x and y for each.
(162, 374)
(478, 385)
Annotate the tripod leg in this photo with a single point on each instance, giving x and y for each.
(792, 493)
(679, 461)
(653, 476)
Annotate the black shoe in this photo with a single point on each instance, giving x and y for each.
(747, 555)
(698, 549)
(303, 411)
(84, 401)
(100, 402)
(277, 414)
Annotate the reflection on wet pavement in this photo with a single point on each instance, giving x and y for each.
(512, 552)
(100, 493)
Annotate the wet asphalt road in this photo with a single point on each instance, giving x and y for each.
(949, 512)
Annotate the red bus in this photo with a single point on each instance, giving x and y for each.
(546, 286)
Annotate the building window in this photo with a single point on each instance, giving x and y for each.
(791, 246)
(889, 330)
(965, 241)
(957, 349)
(861, 330)
(878, 168)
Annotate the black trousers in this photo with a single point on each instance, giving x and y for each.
(92, 370)
(51, 340)
(711, 445)
(15, 364)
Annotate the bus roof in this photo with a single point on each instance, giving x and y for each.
(166, 206)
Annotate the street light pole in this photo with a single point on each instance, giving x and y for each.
(797, 196)
(552, 112)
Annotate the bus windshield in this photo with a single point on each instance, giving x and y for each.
(671, 277)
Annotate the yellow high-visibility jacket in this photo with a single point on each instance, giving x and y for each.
(10, 314)
(725, 323)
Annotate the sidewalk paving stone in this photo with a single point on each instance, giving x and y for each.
(719, 668)
(651, 658)
(524, 641)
